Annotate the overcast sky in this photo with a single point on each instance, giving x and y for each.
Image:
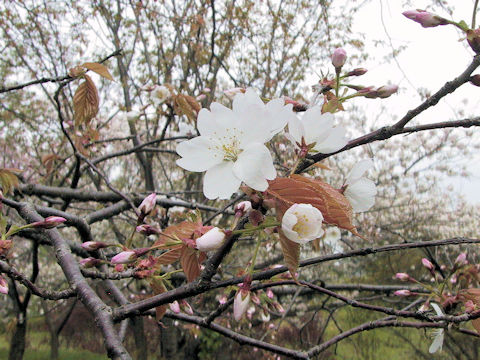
(432, 57)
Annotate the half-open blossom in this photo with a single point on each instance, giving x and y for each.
(302, 223)
(211, 240)
(49, 222)
(231, 147)
(240, 304)
(242, 208)
(359, 190)
(439, 334)
(339, 57)
(315, 131)
(175, 307)
(148, 204)
(425, 18)
(3, 285)
(146, 229)
(403, 293)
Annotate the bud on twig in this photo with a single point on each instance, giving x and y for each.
(427, 264)
(94, 245)
(425, 18)
(90, 262)
(357, 72)
(240, 304)
(242, 208)
(403, 293)
(147, 230)
(402, 276)
(339, 57)
(148, 204)
(3, 285)
(49, 222)
(211, 240)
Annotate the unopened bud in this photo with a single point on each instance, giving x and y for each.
(148, 204)
(242, 208)
(470, 306)
(425, 18)
(49, 222)
(270, 293)
(125, 257)
(473, 38)
(427, 264)
(147, 230)
(386, 91)
(94, 245)
(339, 57)
(211, 240)
(461, 259)
(90, 262)
(475, 80)
(403, 293)
(357, 72)
(402, 276)
(240, 304)
(3, 285)
(175, 307)
(185, 307)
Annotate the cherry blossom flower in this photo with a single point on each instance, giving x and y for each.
(439, 334)
(211, 240)
(316, 131)
(240, 304)
(359, 190)
(231, 147)
(302, 223)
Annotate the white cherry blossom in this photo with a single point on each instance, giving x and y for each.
(302, 223)
(359, 190)
(231, 147)
(316, 130)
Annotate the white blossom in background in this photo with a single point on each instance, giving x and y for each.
(316, 130)
(160, 94)
(359, 190)
(439, 334)
(231, 147)
(332, 238)
(302, 223)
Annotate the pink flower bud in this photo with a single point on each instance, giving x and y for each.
(461, 259)
(222, 300)
(49, 222)
(403, 293)
(90, 262)
(175, 307)
(357, 72)
(240, 304)
(279, 307)
(93, 245)
(453, 279)
(427, 264)
(242, 208)
(386, 90)
(402, 276)
(201, 97)
(425, 18)
(255, 299)
(270, 293)
(185, 307)
(3, 286)
(211, 240)
(148, 204)
(470, 306)
(339, 57)
(147, 229)
(125, 257)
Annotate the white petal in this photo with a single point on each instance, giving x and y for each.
(198, 154)
(437, 309)
(254, 166)
(243, 101)
(317, 125)
(296, 129)
(361, 194)
(216, 121)
(358, 170)
(335, 141)
(437, 342)
(278, 115)
(219, 181)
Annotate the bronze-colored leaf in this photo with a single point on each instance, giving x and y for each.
(335, 207)
(9, 179)
(183, 230)
(158, 287)
(183, 107)
(291, 253)
(49, 160)
(100, 69)
(85, 102)
(170, 256)
(190, 263)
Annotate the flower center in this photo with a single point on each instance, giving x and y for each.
(229, 144)
(302, 227)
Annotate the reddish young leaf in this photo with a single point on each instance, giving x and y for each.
(190, 263)
(291, 254)
(170, 256)
(158, 287)
(335, 207)
(183, 230)
(100, 69)
(85, 102)
(8, 179)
